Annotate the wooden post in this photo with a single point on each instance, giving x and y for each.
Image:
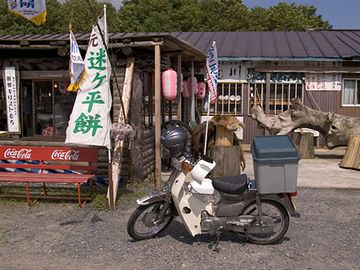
(306, 146)
(351, 158)
(114, 168)
(192, 94)
(225, 154)
(227, 160)
(157, 118)
(179, 86)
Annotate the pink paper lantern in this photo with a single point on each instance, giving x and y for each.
(201, 90)
(169, 84)
(194, 83)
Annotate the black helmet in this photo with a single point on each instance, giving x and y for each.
(174, 139)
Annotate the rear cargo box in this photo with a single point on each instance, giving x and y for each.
(275, 164)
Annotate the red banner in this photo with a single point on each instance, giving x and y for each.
(48, 153)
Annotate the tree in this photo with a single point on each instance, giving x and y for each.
(166, 16)
(12, 24)
(292, 17)
(58, 18)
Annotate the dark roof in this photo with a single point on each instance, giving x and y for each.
(169, 43)
(309, 45)
(330, 44)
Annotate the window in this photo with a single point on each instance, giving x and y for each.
(280, 97)
(46, 108)
(229, 99)
(351, 92)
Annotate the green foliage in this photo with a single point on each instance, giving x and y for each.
(166, 16)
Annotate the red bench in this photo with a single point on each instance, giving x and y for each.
(48, 164)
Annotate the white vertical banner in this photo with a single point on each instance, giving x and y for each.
(12, 99)
(76, 64)
(90, 121)
(212, 70)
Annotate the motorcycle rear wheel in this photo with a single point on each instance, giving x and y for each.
(144, 222)
(279, 220)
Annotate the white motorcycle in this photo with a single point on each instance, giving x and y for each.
(210, 205)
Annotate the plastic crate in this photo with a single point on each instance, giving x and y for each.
(275, 164)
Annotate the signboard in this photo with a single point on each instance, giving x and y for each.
(230, 71)
(33, 10)
(12, 100)
(323, 81)
(46, 153)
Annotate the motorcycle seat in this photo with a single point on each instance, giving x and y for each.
(231, 184)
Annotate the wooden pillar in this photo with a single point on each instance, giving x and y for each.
(267, 98)
(179, 86)
(192, 95)
(157, 118)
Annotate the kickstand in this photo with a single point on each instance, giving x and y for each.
(215, 245)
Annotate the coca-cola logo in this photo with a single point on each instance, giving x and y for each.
(23, 153)
(65, 155)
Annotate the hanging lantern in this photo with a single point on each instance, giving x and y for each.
(194, 83)
(185, 92)
(169, 84)
(201, 90)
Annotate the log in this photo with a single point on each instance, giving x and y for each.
(306, 146)
(335, 128)
(227, 160)
(351, 159)
(223, 136)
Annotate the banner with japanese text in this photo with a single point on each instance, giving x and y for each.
(90, 119)
(212, 70)
(11, 88)
(76, 64)
(33, 10)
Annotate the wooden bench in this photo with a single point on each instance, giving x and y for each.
(45, 164)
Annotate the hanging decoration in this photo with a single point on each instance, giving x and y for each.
(201, 93)
(169, 84)
(194, 85)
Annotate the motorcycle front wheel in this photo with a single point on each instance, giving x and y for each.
(270, 227)
(144, 222)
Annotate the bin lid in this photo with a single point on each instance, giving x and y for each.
(280, 147)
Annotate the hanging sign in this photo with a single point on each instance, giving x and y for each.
(33, 10)
(12, 101)
(322, 81)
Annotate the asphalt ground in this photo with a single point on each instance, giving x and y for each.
(62, 236)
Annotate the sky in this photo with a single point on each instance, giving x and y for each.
(341, 14)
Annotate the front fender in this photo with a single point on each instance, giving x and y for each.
(155, 196)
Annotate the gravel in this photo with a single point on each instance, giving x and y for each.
(62, 236)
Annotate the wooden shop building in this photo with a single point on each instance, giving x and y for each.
(322, 68)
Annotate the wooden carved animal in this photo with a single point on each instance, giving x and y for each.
(198, 136)
(335, 128)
